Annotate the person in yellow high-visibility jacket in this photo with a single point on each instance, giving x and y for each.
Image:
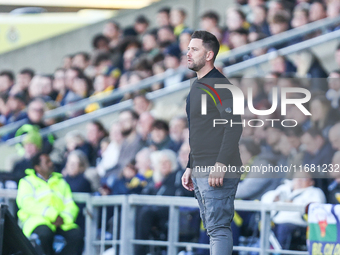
(46, 207)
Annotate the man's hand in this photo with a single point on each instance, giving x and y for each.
(216, 177)
(187, 181)
(58, 222)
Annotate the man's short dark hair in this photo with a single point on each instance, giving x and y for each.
(241, 31)
(115, 23)
(280, 17)
(252, 147)
(141, 19)
(8, 73)
(161, 125)
(134, 114)
(101, 57)
(210, 41)
(98, 38)
(338, 47)
(164, 9)
(293, 131)
(36, 158)
(100, 127)
(211, 15)
(85, 55)
(314, 132)
(28, 71)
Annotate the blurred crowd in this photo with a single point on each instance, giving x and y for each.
(141, 153)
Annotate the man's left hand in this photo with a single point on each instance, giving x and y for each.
(216, 177)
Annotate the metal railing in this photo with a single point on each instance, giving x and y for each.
(282, 52)
(146, 83)
(126, 205)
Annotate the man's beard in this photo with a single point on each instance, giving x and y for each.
(196, 66)
(126, 132)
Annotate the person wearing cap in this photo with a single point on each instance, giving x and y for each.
(46, 207)
(32, 144)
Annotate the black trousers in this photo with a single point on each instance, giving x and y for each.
(74, 240)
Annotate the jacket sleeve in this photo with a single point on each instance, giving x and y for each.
(27, 202)
(70, 212)
(232, 131)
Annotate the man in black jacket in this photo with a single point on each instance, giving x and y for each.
(214, 158)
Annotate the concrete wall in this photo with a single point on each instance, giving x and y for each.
(46, 56)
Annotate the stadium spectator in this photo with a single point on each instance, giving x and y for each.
(160, 138)
(74, 140)
(144, 126)
(113, 32)
(150, 45)
(4, 110)
(95, 132)
(6, 81)
(78, 173)
(132, 141)
(74, 175)
(333, 92)
(129, 181)
(294, 113)
(16, 105)
(165, 35)
(318, 151)
(166, 182)
(209, 22)
(278, 24)
(100, 43)
(323, 116)
(53, 212)
(292, 135)
(23, 80)
(274, 7)
(141, 104)
(281, 65)
(101, 61)
(334, 136)
(177, 20)
(260, 24)
(143, 163)
(81, 60)
(59, 86)
(334, 184)
(176, 128)
(163, 17)
(32, 144)
(238, 38)
(235, 19)
(109, 158)
(67, 61)
(309, 66)
(139, 28)
(299, 191)
(300, 16)
(317, 11)
(271, 151)
(252, 186)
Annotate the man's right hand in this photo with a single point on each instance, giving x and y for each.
(187, 181)
(58, 222)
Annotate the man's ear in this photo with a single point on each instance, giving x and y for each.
(210, 55)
